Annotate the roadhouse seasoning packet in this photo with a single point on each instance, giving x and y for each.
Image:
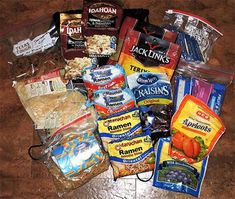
(195, 129)
(175, 175)
(131, 156)
(144, 53)
(120, 126)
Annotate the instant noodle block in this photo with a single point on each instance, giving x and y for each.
(111, 102)
(144, 53)
(195, 129)
(121, 126)
(175, 175)
(131, 156)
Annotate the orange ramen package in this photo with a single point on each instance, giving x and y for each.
(144, 53)
(195, 129)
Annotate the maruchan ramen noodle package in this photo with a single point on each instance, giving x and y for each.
(121, 126)
(111, 102)
(154, 97)
(131, 156)
(144, 53)
(74, 155)
(195, 129)
(175, 175)
(201, 29)
(104, 77)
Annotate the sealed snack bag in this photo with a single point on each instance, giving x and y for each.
(195, 129)
(73, 155)
(102, 20)
(207, 83)
(175, 175)
(104, 77)
(144, 53)
(120, 126)
(130, 23)
(201, 29)
(154, 97)
(111, 102)
(131, 155)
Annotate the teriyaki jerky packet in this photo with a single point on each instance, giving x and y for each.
(154, 97)
(34, 51)
(175, 175)
(202, 30)
(102, 21)
(73, 45)
(73, 155)
(207, 83)
(144, 53)
(130, 23)
(195, 130)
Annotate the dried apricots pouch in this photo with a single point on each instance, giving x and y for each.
(195, 129)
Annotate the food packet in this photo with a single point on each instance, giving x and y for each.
(154, 97)
(201, 29)
(211, 87)
(48, 102)
(33, 51)
(130, 23)
(104, 77)
(131, 155)
(102, 21)
(74, 155)
(144, 53)
(120, 126)
(175, 175)
(111, 102)
(195, 129)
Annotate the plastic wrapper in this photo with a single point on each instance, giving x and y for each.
(215, 81)
(154, 97)
(175, 175)
(201, 29)
(34, 51)
(74, 154)
(195, 130)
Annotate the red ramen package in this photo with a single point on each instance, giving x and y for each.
(201, 29)
(111, 102)
(130, 23)
(132, 155)
(195, 129)
(154, 97)
(74, 155)
(104, 77)
(102, 20)
(144, 53)
(175, 175)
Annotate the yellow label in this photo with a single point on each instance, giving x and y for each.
(154, 101)
(131, 65)
(130, 149)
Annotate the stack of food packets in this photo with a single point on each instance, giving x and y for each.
(90, 110)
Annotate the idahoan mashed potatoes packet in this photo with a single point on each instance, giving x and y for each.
(195, 129)
(131, 156)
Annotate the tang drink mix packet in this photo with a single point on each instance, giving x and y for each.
(195, 129)
(175, 175)
(144, 53)
(120, 126)
(131, 156)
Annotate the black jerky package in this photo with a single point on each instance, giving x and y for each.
(143, 27)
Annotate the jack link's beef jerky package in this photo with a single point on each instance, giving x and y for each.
(202, 30)
(102, 20)
(34, 49)
(73, 45)
(144, 27)
(144, 53)
(74, 155)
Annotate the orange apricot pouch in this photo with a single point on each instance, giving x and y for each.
(195, 129)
